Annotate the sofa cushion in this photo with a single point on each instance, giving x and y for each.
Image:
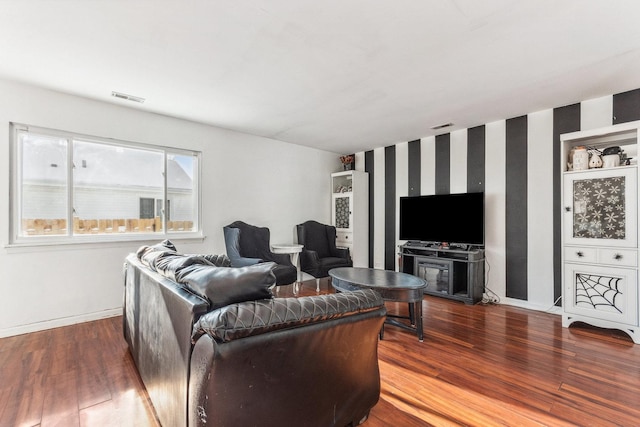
(170, 264)
(165, 245)
(227, 285)
(164, 258)
(258, 317)
(149, 254)
(221, 260)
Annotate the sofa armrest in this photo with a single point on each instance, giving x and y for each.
(251, 318)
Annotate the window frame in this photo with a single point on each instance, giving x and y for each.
(16, 239)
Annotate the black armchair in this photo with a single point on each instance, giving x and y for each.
(247, 244)
(320, 253)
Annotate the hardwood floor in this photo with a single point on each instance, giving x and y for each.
(478, 366)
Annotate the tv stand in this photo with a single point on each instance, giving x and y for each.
(451, 272)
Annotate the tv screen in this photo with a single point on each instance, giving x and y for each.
(450, 218)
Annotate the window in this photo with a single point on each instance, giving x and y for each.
(69, 187)
(147, 208)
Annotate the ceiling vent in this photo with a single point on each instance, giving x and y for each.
(127, 97)
(446, 125)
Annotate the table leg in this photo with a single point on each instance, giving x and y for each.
(295, 258)
(412, 315)
(418, 318)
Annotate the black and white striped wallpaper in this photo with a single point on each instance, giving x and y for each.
(516, 162)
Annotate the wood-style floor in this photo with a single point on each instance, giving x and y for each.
(478, 366)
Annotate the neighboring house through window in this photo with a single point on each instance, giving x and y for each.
(147, 208)
(72, 187)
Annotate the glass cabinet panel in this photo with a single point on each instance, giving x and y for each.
(342, 212)
(600, 207)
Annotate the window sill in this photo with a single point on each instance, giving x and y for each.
(95, 242)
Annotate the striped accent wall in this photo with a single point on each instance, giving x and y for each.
(390, 238)
(516, 162)
(516, 210)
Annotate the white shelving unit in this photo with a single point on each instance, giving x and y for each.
(600, 233)
(350, 213)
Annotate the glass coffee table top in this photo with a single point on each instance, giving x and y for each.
(391, 285)
(351, 278)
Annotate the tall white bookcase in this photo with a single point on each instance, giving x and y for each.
(350, 213)
(600, 233)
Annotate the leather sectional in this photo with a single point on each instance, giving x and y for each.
(215, 348)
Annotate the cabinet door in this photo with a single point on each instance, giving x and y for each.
(342, 211)
(437, 272)
(600, 207)
(606, 293)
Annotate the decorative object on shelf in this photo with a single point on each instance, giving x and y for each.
(348, 162)
(570, 159)
(612, 150)
(611, 157)
(595, 161)
(580, 158)
(611, 160)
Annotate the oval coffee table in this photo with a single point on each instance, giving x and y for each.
(392, 285)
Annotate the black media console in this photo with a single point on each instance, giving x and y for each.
(450, 272)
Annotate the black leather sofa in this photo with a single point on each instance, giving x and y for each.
(214, 348)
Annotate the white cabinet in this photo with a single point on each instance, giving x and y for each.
(600, 232)
(350, 213)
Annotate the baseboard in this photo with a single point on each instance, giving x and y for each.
(553, 309)
(57, 323)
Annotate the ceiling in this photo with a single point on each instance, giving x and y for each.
(340, 75)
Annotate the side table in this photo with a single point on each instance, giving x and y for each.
(293, 249)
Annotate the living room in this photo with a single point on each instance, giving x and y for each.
(269, 182)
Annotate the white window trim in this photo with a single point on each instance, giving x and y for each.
(17, 241)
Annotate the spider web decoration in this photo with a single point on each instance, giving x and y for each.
(600, 292)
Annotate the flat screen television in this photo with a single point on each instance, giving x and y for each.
(451, 218)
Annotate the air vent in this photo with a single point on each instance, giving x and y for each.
(446, 125)
(127, 97)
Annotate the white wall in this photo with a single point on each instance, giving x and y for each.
(254, 179)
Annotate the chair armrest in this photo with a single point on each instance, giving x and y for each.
(309, 259)
(282, 259)
(342, 253)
